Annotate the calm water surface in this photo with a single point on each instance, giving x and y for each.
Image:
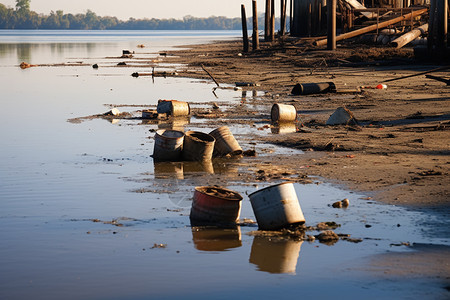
(57, 176)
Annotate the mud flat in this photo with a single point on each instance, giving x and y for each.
(399, 152)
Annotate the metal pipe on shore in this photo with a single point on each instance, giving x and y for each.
(373, 27)
(409, 36)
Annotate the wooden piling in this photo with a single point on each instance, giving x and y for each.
(431, 26)
(331, 27)
(267, 22)
(255, 36)
(244, 28)
(283, 17)
(272, 20)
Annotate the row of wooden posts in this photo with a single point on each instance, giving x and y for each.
(269, 30)
(437, 34)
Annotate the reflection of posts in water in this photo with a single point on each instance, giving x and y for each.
(174, 123)
(215, 239)
(275, 256)
(280, 128)
(166, 170)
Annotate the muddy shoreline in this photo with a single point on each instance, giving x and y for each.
(399, 151)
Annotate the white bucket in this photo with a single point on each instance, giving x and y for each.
(276, 206)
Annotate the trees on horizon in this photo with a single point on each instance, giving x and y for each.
(23, 18)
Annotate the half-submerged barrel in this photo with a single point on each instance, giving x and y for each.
(215, 206)
(225, 144)
(173, 108)
(168, 145)
(283, 113)
(276, 207)
(198, 146)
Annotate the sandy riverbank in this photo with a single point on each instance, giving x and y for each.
(399, 152)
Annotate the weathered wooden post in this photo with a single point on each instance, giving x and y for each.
(267, 19)
(442, 19)
(272, 20)
(283, 18)
(331, 24)
(244, 28)
(431, 26)
(255, 36)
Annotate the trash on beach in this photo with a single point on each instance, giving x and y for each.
(141, 46)
(313, 88)
(213, 205)
(283, 113)
(226, 144)
(113, 112)
(341, 204)
(276, 207)
(377, 87)
(122, 63)
(168, 145)
(127, 52)
(241, 84)
(342, 116)
(24, 65)
(198, 146)
(95, 66)
(173, 108)
(149, 114)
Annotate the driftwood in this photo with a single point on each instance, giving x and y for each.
(356, 5)
(409, 36)
(373, 27)
(212, 77)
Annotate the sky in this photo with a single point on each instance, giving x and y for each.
(139, 9)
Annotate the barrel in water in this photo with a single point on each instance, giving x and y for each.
(313, 88)
(168, 145)
(276, 206)
(198, 146)
(215, 206)
(283, 113)
(225, 144)
(174, 108)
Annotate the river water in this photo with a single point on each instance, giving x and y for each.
(62, 183)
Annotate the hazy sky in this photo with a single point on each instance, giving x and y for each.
(124, 9)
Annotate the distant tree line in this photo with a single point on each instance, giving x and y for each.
(23, 18)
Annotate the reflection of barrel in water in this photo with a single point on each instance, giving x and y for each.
(226, 167)
(198, 167)
(174, 123)
(275, 256)
(165, 170)
(215, 239)
(281, 128)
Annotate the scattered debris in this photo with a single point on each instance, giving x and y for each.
(24, 65)
(342, 116)
(327, 237)
(122, 63)
(341, 204)
(313, 88)
(113, 112)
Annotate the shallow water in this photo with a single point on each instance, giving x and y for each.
(56, 177)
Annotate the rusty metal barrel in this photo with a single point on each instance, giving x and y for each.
(168, 145)
(313, 88)
(198, 146)
(174, 108)
(276, 206)
(283, 113)
(225, 144)
(215, 206)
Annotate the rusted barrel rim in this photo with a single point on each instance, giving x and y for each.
(204, 137)
(161, 132)
(268, 187)
(201, 189)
